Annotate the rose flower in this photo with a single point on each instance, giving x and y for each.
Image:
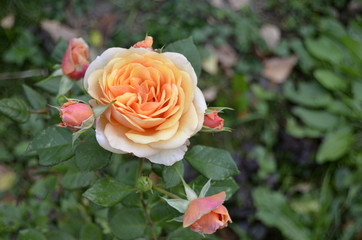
(212, 120)
(157, 107)
(75, 60)
(207, 214)
(73, 114)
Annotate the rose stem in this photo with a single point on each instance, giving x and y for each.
(150, 223)
(161, 190)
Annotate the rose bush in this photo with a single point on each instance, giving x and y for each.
(157, 107)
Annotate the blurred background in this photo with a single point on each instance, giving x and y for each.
(290, 69)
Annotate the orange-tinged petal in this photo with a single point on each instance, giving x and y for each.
(223, 214)
(207, 224)
(75, 60)
(201, 206)
(147, 43)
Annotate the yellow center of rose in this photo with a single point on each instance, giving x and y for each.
(150, 92)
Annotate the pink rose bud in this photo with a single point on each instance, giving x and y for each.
(212, 120)
(207, 214)
(147, 43)
(73, 115)
(75, 60)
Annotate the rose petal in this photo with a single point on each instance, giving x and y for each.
(101, 138)
(224, 214)
(116, 139)
(152, 136)
(170, 156)
(207, 224)
(201, 206)
(187, 126)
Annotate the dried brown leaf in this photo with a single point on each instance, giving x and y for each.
(278, 69)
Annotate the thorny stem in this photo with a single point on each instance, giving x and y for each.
(161, 190)
(149, 220)
(143, 203)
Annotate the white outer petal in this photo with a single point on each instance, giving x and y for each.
(101, 138)
(169, 157)
(200, 106)
(182, 63)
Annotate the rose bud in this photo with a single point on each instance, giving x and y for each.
(75, 60)
(207, 214)
(212, 120)
(74, 114)
(147, 43)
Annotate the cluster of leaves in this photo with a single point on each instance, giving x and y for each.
(313, 123)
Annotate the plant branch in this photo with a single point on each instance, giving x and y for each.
(161, 190)
(149, 220)
(24, 74)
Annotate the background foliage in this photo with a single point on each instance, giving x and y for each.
(297, 142)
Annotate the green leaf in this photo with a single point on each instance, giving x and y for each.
(90, 231)
(339, 108)
(229, 186)
(30, 234)
(170, 175)
(43, 187)
(297, 131)
(127, 172)
(316, 119)
(75, 180)
(335, 145)
(107, 192)
(128, 223)
(36, 100)
(211, 162)
(357, 90)
(10, 217)
(55, 155)
(184, 233)
(65, 85)
(50, 137)
(274, 210)
(205, 189)
(325, 49)
(307, 94)
(265, 160)
(58, 235)
(98, 110)
(15, 108)
(330, 80)
(178, 204)
(51, 83)
(90, 156)
(187, 48)
(59, 50)
(53, 144)
(354, 47)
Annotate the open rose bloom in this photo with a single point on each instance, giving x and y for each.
(157, 107)
(207, 214)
